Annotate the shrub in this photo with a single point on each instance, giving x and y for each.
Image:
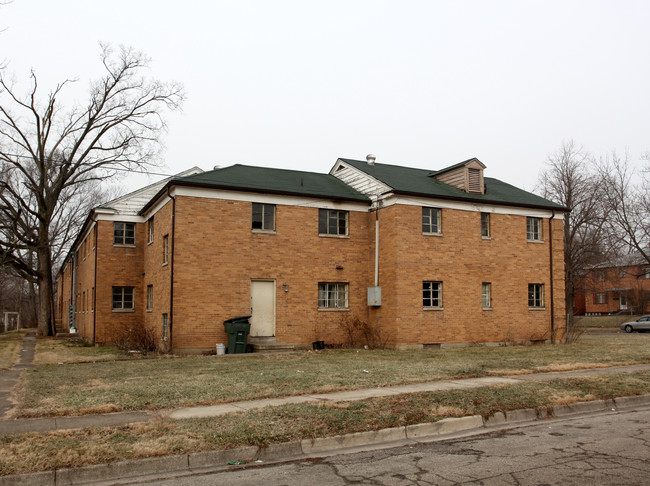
(360, 333)
(136, 337)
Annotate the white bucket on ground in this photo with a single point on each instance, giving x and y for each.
(221, 349)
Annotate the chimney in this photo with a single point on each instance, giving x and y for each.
(371, 159)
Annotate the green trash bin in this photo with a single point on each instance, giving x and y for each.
(237, 329)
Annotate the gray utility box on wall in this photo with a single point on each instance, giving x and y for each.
(374, 296)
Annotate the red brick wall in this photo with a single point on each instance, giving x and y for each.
(117, 266)
(158, 274)
(603, 281)
(217, 255)
(462, 260)
(84, 286)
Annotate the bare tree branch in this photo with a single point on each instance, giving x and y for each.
(52, 159)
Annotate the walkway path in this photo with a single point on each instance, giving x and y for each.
(9, 378)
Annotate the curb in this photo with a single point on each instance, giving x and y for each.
(215, 460)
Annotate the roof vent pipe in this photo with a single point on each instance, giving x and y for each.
(371, 159)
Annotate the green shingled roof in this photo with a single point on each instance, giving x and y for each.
(278, 181)
(407, 180)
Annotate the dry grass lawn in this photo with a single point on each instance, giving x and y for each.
(167, 382)
(37, 452)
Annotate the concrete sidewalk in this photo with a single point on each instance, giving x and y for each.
(117, 419)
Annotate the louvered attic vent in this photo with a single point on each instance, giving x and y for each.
(466, 176)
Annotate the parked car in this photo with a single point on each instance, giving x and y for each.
(642, 324)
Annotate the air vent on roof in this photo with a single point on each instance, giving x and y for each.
(371, 159)
(474, 180)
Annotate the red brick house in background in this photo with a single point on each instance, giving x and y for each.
(622, 285)
(432, 258)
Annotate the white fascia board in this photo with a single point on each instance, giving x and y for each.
(161, 203)
(474, 206)
(124, 218)
(278, 199)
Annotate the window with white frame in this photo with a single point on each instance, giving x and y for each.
(333, 295)
(485, 225)
(645, 272)
(431, 221)
(535, 295)
(486, 295)
(600, 298)
(123, 233)
(332, 222)
(165, 249)
(149, 297)
(165, 327)
(123, 299)
(622, 272)
(432, 294)
(263, 217)
(150, 227)
(534, 229)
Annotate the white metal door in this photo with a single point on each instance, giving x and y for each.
(262, 308)
(623, 302)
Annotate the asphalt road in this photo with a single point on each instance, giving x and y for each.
(600, 449)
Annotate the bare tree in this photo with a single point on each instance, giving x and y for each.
(571, 179)
(627, 200)
(48, 154)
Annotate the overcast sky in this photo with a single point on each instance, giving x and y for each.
(296, 84)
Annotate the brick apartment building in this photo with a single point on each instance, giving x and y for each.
(621, 286)
(432, 258)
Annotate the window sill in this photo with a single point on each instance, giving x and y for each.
(116, 245)
(333, 236)
(433, 308)
(121, 311)
(339, 309)
(165, 264)
(487, 308)
(537, 308)
(149, 243)
(263, 232)
(488, 238)
(150, 310)
(431, 234)
(535, 241)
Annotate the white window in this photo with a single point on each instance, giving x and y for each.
(149, 297)
(263, 217)
(645, 272)
(333, 295)
(432, 294)
(431, 221)
(600, 298)
(487, 295)
(124, 233)
(535, 295)
(165, 249)
(534, 229)
(150, 225)
(622, 273)
(485, 225)
(165, 327)
(331, 222)
(123, 298)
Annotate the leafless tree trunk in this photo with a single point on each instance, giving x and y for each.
(50, 156)
(571, 179)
